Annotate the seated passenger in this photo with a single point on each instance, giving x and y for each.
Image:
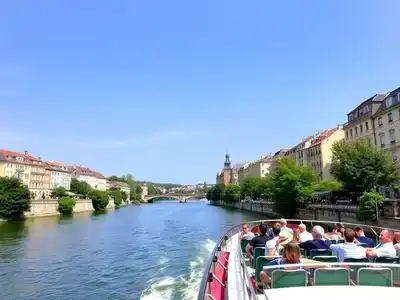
(348, 249)
(332, 233)
(276, 229)
(258, 241)
(290, 255)
(360, 236)
(385, 248)
(317, 243)
(284, 227)
(396, 242)
(246, 234)
(304, 234)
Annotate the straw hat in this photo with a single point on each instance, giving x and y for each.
(285, 237)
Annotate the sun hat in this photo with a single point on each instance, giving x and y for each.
(285, 237)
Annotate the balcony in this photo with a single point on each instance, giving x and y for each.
(37, 172)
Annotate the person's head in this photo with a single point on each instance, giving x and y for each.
(396, 238)
(245, 227)
(276, 229)
(340, 227)
(349, 235)
(283, 222)
(317, 232)
(386, 236)
(291, 253)
(263, 228)
(359, 231)
(302, 227)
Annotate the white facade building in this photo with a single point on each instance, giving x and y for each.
(95, 179)
(59, 175)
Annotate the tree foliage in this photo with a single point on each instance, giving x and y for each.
(99, 199)
(153, 190)
(14, 198)
(362, 167)
(256, 188)
(328, 186)
(80, 187)
(368, 210)
(291, 187)
(59, 192)
(124, 196)
(116, 195)
(138, 192)
(232, 193)
(66, 205)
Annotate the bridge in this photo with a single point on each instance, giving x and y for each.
(180, 197)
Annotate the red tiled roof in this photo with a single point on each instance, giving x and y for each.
(322, 136)
(19, 154)
(86, 171)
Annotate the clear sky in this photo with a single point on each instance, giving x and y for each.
(161, 89)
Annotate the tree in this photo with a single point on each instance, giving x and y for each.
(116, 195)
(59, 192)
(218, 192)
(138, 192)
(80, 187)
(232, 193)
(362, 167)
(368, 210)
(256, 188)
(152, 190)
(14, 198)
(291, 187)
(99, 199)
(124, 196)
(116, 178)
(328, 186)
(210, 193)
(66, 205)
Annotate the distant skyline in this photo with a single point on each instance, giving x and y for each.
(160, 89)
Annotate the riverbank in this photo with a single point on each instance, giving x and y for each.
(49, 207)
(333, 213)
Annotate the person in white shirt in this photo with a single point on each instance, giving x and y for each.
(348, 249)
(276, 230)
(283, 224)
(304, 234)
(385, 248)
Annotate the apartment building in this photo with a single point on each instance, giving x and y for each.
(360, 121)
(260, 167)
(242, 172)
(275, 159)
(95, 179)
(387, 125)
(319, 153)
(297, 154)
(235, 173)
(123, 186)
(27, 168)
(59, 175)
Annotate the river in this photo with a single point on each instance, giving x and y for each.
(153, 251)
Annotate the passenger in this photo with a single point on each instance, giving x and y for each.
(332, 233)
(340, 230)
(276, 229)
(258, 241)
(284, 227)
(317, 243)
(296, 235)
(360, 236)
(396, 242)
(348, 249)
(290, 255)
(304, 234)
(246, 234)
(385, 248)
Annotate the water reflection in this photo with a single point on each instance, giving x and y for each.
(12, 234)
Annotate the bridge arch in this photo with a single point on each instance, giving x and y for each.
(180, 197)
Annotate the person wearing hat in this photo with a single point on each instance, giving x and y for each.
(274, 246)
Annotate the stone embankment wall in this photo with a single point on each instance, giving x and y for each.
(335, 213)
(49, 207)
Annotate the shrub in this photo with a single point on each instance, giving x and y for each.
(368, 210)
(99, 199)
(117, 196)
(59, 192)
(66, 205)
(14, 198)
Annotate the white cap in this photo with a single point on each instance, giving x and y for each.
(318, 230)
(302, 226)
(283, 221)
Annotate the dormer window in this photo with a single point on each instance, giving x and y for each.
(389, 101)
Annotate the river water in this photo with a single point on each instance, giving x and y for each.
(153, 251)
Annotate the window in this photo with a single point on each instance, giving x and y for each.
(380, 121)
(347, 134)
(350, 117)
(366, 126)
(392, 136)
(351, 132)
(356, 130)
(389, 101)
(361, 128)
(382, 139)
(390, 117)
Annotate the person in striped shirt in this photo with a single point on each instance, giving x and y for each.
(348, 249)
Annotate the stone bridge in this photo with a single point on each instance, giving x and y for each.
(180, 197)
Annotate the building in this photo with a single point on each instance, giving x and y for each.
(29, 169)
(386, 124)
(297, 154)
(259, 168)
(242, 172)
(235, 173)
(59, 175)
(319, 152)
(95, 179)
(275, 159)
(360, 121)
(225, 175)
(145, 191)
(122, 186)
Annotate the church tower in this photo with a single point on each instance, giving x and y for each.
(227, 171)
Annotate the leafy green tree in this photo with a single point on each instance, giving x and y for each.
(116, 195)
(232, 193)
(14, 198)
(152, 190)
(116, 178)
(368, 210)
(138, 192)
(210, 193)
(124, 196)
(99, 199)
(291, 187)
(80, 187)
(328, 185)
(218, 192)
(362, 167)
(66, 205)
(59, 192)
(256, 188)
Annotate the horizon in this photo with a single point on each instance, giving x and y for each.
(161, 90)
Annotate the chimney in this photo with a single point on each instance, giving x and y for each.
(26, 152)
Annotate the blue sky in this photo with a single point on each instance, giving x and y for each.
(161, 89)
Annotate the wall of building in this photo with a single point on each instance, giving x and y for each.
(49, 207)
